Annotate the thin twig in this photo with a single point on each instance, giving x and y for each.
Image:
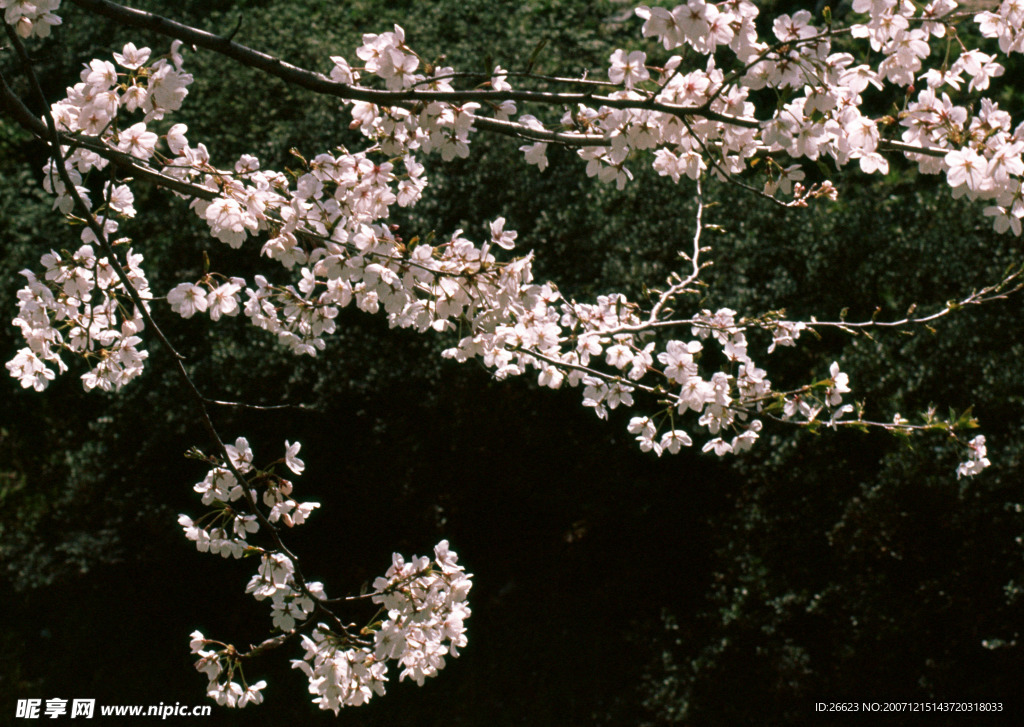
(683, 284)
(259, 407)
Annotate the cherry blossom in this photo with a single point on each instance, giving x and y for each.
(295, 464)
(628, 69)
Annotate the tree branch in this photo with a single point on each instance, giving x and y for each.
(303, 78)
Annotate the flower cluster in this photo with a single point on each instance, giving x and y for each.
(31, 17)
(95, 105)
(423, 600)
(425, 605)
(80, 306)
(221, 666)
(426, 609)
(340, 675)
(976, 458)
(187, 299)
(225, 529)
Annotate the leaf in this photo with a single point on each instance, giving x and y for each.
(532, 60)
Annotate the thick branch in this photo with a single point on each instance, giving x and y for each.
(302, 78)
(12, 105)
(903, 147)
